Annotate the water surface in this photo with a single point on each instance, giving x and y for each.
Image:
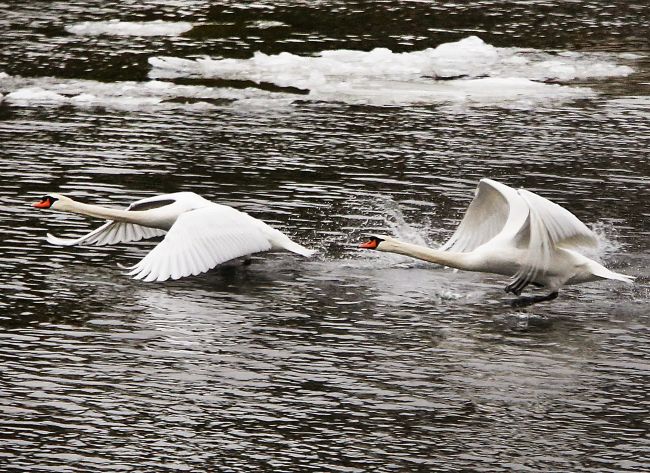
(351, 361)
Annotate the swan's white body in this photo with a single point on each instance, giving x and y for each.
(514, 233)
(199, 234)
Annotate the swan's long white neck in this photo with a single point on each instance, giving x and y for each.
(445, 258)
(90, 210)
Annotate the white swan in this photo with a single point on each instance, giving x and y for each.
(199, 234)
(515, 233)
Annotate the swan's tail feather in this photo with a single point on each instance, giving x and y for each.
(621, 277)
(602, 272)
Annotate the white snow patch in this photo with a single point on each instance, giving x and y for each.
(130, 28)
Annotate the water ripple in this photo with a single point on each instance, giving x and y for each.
(352, 361)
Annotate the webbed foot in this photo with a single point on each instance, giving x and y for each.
(529, 300)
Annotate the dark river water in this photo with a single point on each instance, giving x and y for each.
(329, 120)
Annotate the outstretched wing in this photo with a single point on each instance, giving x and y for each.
(200, 240)
(109, 234)
(119, 232)
(549, 226)
(496, 208)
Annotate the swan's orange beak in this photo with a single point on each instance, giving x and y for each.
(369, 245)
(43, 204)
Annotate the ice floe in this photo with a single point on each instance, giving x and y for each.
(130, 28)
(468, 70)
(34, 95)
(125, 95)
(264, 24)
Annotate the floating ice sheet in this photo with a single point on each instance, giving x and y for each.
(130, 28)
(468, 70)
(127, 95)
(264, 24)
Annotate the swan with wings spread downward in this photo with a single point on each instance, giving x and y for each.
(516, 233)
(199, 234)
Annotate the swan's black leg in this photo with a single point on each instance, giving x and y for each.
(526, 301)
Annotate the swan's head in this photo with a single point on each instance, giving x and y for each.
(53, 201)
(375, 242)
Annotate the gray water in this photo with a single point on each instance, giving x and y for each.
(351, 361)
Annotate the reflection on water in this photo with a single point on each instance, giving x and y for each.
(352, 361)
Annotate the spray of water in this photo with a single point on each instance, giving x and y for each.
(608, 238)
(387, 218)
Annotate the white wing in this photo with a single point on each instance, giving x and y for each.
(119, 232)
(496, 208)
(108, 234)
(549, 226)
(200, 240)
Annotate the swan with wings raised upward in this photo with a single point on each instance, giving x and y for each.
(516, 233)
(199, 234)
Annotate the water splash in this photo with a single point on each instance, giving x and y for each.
(608, 237)
(399, 227)
(388, 219)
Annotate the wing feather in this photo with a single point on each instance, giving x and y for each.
(200, 240)
(549, 226)
(109, 234)
(489, 214)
